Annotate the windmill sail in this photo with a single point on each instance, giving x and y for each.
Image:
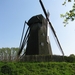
(51, 26)
(23, 40)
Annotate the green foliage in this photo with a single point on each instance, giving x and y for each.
(70, 15)
(72, 55)
(64, 3)
(8, 53)
(70, 59)
(38, 68)
(5, 69)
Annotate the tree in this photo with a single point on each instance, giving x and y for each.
(14, 52)
(72, 55)
(70, 15)
(8, 53)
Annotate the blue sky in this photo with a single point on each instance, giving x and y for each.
(13, 13)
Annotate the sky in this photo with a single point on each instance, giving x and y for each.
(13, 14)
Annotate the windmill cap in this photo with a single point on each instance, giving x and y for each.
(35, 19)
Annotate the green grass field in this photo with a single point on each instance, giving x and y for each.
(37, 68)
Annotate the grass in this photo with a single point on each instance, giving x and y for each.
(37, 68)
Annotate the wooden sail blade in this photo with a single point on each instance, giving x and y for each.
(56, 38)
(22, 34)
(44, 10)
(24, 41)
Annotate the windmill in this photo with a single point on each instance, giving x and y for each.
(36, 40)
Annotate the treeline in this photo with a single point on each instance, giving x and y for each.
(70, 58)
(8, 54)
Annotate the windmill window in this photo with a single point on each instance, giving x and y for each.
(43, 34)
(42, 44)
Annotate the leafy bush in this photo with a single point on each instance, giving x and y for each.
(37, 68)
(70, 59)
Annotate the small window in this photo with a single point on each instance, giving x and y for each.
(42, 44)
(43, 34)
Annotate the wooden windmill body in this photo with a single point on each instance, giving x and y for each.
(38, 42)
